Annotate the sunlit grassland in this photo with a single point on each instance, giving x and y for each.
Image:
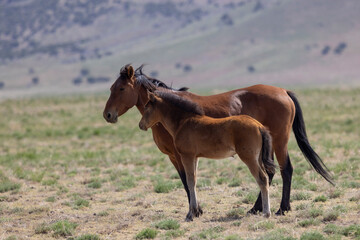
(62, 166)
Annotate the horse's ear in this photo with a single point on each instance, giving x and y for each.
(130, 72)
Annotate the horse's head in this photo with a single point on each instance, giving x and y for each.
(151, 115)
(123, 96)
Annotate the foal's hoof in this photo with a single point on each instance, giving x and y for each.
(267, 215)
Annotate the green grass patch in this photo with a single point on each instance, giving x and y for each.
(168, 224)
(163, 186)
(312, 236)
(147, 233)
(331, 215)
(210, 233)
(308, 222)
(235, 182)
(300, 196)
(58, 229)
(125, 182)
(250, 198)
(236, 213)
(95, 183)
(86, 237)
(277, 234)
(7, 185)
(320, 198)
(233, 237)
(262, 225)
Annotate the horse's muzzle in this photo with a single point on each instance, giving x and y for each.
(110, 117)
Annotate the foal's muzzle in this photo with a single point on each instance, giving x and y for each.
(142, 126)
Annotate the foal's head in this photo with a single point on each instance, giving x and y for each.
(151, 114)
(171, 104)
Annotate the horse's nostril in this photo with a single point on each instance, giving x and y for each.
(108, 115)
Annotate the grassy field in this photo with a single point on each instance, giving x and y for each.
(67, 174)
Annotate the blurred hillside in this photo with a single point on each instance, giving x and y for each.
(77, 45)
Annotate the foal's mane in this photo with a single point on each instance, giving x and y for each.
(182, 103)
(150, 83)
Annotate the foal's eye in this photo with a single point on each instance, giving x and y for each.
(122, 89)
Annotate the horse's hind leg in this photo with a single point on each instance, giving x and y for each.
(258, 204)
(286, 174)
(190, 166)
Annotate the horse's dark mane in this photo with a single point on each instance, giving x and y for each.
(182, 103)
(152, 83)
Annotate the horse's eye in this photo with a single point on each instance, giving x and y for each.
(122, 89)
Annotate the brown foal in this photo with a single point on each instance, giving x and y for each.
(276, 108)
(196, 135)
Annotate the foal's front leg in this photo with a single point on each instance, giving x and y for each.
(190, 165)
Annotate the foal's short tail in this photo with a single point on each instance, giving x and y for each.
(266, 151)
(303, 142)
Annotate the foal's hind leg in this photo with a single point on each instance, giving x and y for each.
(263, 181)
(190, 165)
(258, 204)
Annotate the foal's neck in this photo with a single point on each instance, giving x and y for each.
(143, 98)
(173, 117)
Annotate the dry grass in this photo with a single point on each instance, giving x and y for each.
(60, 162)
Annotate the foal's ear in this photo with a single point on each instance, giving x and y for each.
(152, 97)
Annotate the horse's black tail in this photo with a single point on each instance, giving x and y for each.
(301, 137)
(266, 151)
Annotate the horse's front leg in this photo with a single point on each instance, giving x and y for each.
(190, 164)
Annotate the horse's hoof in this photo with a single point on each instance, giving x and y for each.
(253, 211)
(200, 210)
(280, 213)
(189, 217)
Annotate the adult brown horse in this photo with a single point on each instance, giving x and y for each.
(196, 135)
(276, 108)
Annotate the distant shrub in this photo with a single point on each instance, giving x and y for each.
(35, 80)
(154, 74)
(93, 80)
(325, 50)
(258, 6)
(251, 69)
(227, 20)
(340, 48)
(187, 68)
(84, 72)
(77, 81)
